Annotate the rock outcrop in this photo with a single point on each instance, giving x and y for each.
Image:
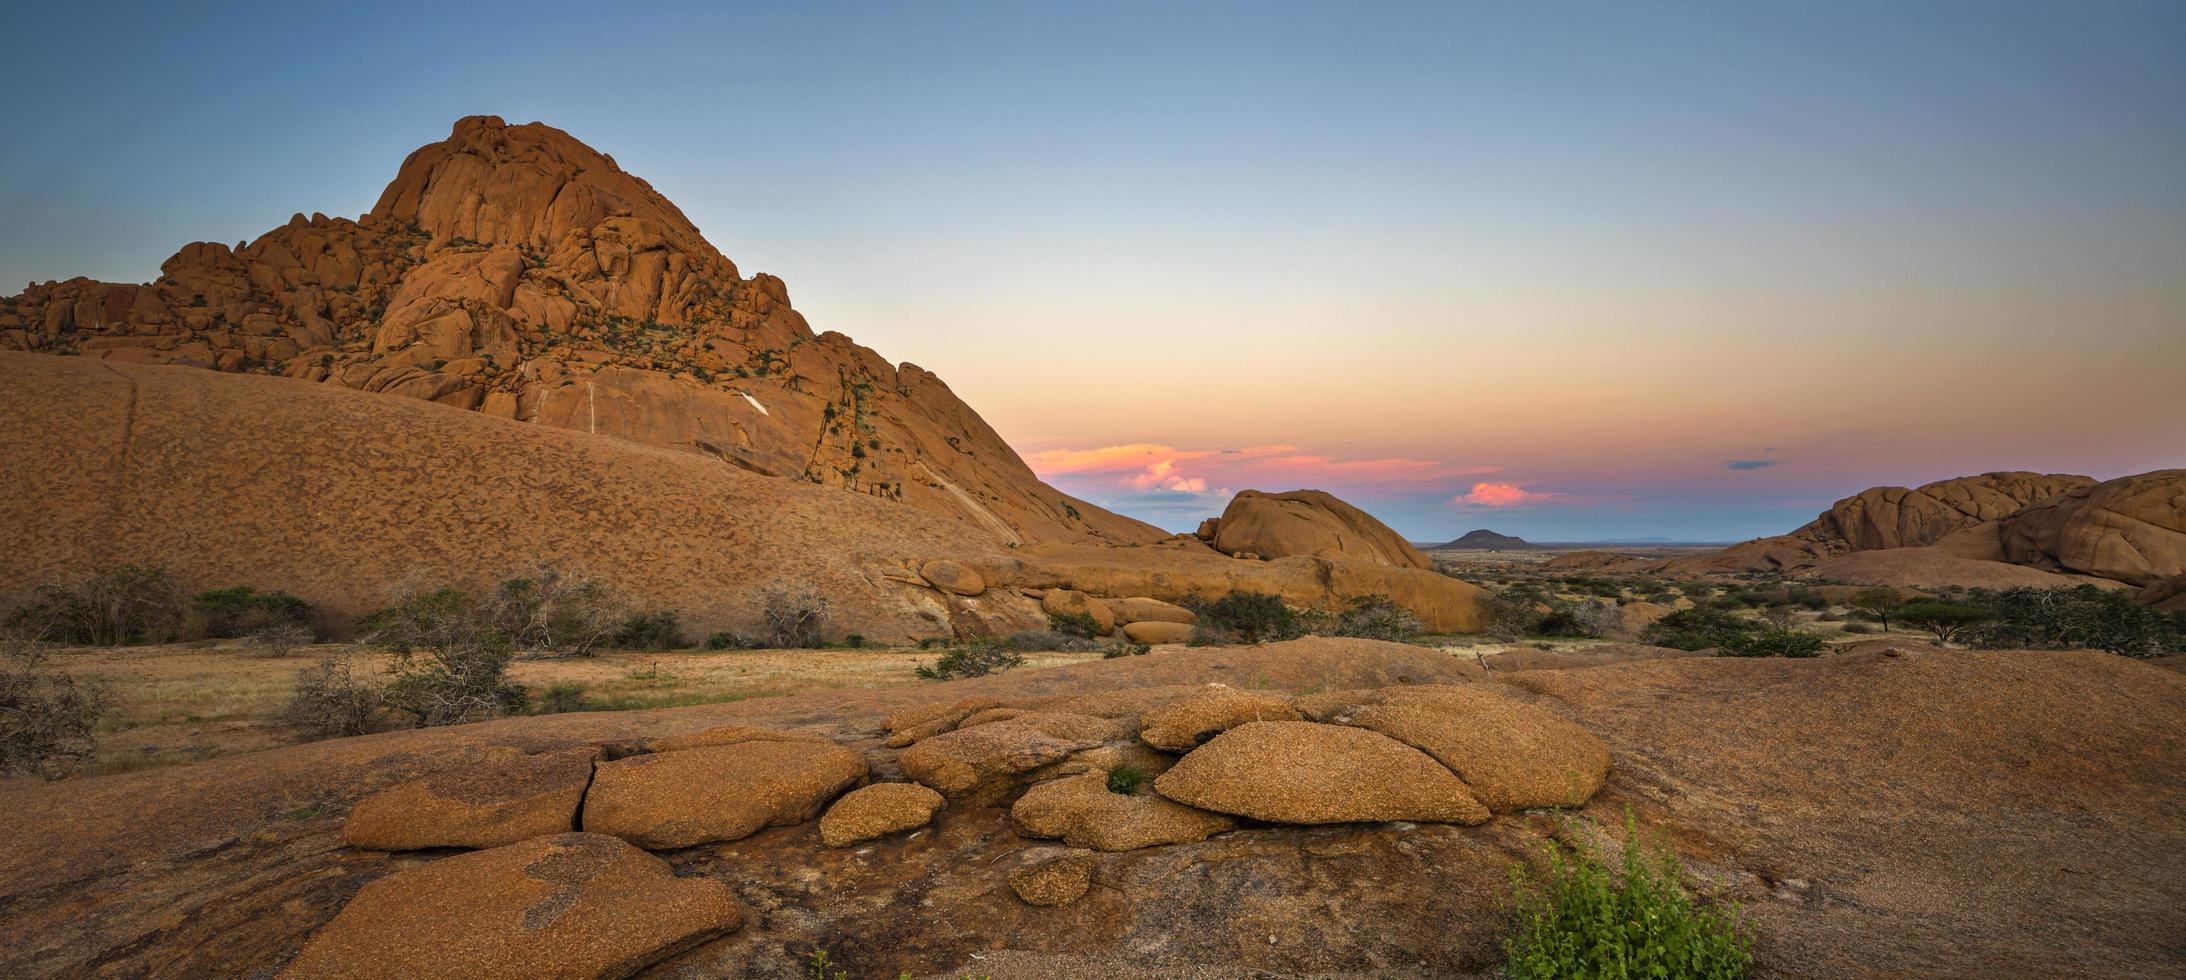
(576, 906)
(1084, 812)
(2132, 529)
(514, 271)
(1183, 725)
(1511, 756)
(1313, 524)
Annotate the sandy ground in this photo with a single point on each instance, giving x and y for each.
(186, 703)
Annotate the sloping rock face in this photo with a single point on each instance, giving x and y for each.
(339, 496)
(1894, 517)
(579, 906)
(515, 271)
(2131, 529)
(1313, 524)
(1830, 797)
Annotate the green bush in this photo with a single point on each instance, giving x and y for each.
(242, 610)
(1080, 625)
(1126, 648)
(1377, 617)
(975, 659)
(2076, 617)
(1774, 643)
(653, 630)
(1698, 628)
(451, 657)
(1125, 779)
(1583, 919)
(560, 697)
(121, 606)
(1946, 621)
(728, 640)
(1246, 617)
(1032, 641)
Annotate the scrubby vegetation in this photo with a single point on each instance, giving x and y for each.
(1243, 617)
(48, 719)
(331, 701)
(451, 657)
(1376, 617)
(796, 616)
(1582, 918)
(1081, 625)
(1125, 779)
(1729, 634)
(2075, 617)
(653, 630)
(977, 658)
(120, 606)
(243, 611)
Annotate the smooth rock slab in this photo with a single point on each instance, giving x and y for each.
(1084, 813)
(717, 793)
(1307, 773)
(877, 811)
(570, 906)
(485, 805)
(1154, 631)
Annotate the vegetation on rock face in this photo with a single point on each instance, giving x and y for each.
(1376, 617)
(48, 719)
(1125, 779)
(1078, 624)
(1585, 919)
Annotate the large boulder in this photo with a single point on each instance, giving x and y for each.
(2131, 529)
(1141, 609)
(952, 576)
(576, 906)
(926, 720)
(877, 811)
(667, 800)
(1181, 726)
(1156, 632)
(1071, 602)
(1307, 773)
(1084, 812)
(1512, 756)
(1895, 517)
(1311, 523)
(486, 805)
(979, 765)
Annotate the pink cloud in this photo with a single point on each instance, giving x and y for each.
(1500, 495)
(1152, 467)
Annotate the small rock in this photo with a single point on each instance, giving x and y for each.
(1212, 710)
(877, 811)
(1156, 632)
(1085, 813)
(1056, 881)
(1307, 773)
(487, 805)
(717, 792)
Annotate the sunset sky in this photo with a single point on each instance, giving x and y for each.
(1570, 271)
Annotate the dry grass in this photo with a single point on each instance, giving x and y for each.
(186, 703)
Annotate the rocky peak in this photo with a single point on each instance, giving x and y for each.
(515, 271)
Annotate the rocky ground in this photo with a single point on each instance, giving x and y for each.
(1893, 810)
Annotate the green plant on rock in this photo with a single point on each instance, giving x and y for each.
(977, 658)
(1581, 918)
(1078, 624)
(1126, 779)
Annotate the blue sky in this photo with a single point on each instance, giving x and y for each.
(1555, 269)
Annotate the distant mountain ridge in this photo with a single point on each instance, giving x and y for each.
(1486, 540)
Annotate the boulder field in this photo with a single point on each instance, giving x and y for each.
(1323, 807)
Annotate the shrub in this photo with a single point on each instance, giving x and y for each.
(654, 630)
(451, 658)
(1376, 617)
(1031, 641)
(1596, 619)
(1508, 615)
(278, 640)
(1125, 779)
(560, 697)
(330, 701)
(2077, 616)
(796, 617)
(1080, 625)
(1126, 648)
(1860, 629)
(1249, 617)
(855, 641)
(975, 659)
(1880, 602)
(1584, 919)
(48, 719)
(550, 611)
(1774, 642)
(242, 611)
(729, 640)
(1698, 628)
(1946, 621)
(117, 607)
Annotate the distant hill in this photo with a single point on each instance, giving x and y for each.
(1486, 540)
